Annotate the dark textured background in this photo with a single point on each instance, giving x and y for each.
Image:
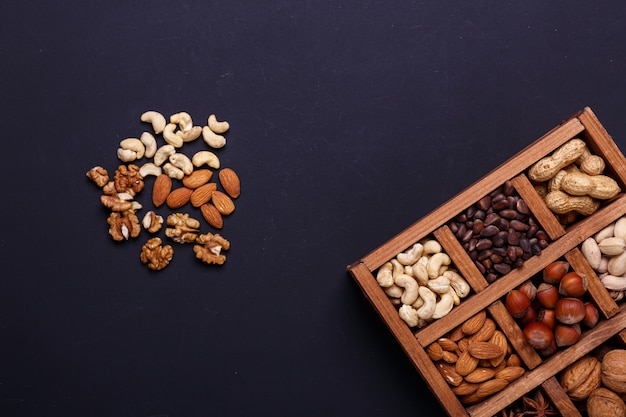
(350, 121)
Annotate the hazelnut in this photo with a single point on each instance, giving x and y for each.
(517, 303)
(538, 335)
(573, 285)
(569, 310)
(553, 273)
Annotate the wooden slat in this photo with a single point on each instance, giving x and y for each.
(540, 210)
(559, 398)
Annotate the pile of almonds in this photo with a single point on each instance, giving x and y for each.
(179, 181)
(475, 359)
(551, 308)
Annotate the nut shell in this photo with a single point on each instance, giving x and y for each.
(581, 378)
(614, 370)
(603, 402)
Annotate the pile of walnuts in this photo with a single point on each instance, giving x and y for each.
(179, 180)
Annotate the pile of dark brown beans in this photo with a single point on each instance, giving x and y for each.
(499, 233)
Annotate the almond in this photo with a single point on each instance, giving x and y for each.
(197, 178)
(499, 339)
(488, 388)
(510, 373)
(161, 189)
(474, 324)
(479, 375)
(178, 198)
(485, 350)
(434, 352)
(466, 364)
(447, 344)
(449, 374)
(223, 203)
(213, 216)
(465, 388)
(230, 182)
(202, 194)
(485, 332)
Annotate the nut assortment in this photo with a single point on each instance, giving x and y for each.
(499, 232)
(606, 254)
(180, 182)
(475, 359)
(571, 181)
(552, 303)
(422, 283)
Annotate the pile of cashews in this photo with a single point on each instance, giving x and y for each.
(176, 133)
(422, 283)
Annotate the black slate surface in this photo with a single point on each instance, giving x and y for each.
(349, 121)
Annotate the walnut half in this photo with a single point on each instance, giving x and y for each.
(156, 256)
(209, 248)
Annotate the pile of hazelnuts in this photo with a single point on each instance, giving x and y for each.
(552, 310)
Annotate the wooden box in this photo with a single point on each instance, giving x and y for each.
(541, 372)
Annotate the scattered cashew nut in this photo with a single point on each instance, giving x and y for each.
(213, 139)
(163, 153)
(190, 135)
(430, 302)
(412, 255)
(135, 145)
(156, 119)
(173, 171)
(383, 276)
(150, 169)
(205, 157)
(409, 315)
(436, 262)
(217, 127)
(126, 155)
(183, 120)
(443, 306)
(171, 137)
(181, 161)
(150, 143)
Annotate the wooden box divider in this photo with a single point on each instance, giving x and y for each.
(541, 372)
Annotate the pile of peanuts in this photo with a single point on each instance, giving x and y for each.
(475, 359)
(422, 283)
(499, 233)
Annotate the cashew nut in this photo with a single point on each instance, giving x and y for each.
(191, 134)
(149, 169)
(383, 277)
(163, 153)
(135, 145)
(418, 303)
(420, 273)
(393, 291)
(409, 315)
(206, 157)
(431, 246)
(173, 171)
(212, 139)
(436, 262)
(443, 306)
(126, 155)
(410, 294)
(412, 255)
(156, 119)
(217, 127)
(430, 301)
(458, 283)
(440, 285)
(398, 268)
(183, 120)
(150, 143)
(171, 137)
(181, 161)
